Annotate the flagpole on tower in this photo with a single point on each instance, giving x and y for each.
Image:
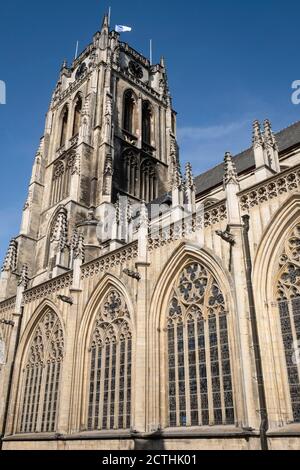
(76, 50)
(109, 16)
(151, 52)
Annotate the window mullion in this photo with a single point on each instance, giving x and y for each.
(294, 333)
(98, 373)
(198, 373)
(176, 375)
(187, 374)
(109, 385)
(102, 380)
(52, 395)
(223, 407)
(125, 386)
(117, 385)
(24, 416)
(208, 373)
(34, 401)
(93, 404)
(40, 402)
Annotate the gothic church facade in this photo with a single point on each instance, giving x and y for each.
(172, 328)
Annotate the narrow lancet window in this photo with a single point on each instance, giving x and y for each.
(77, 116)
(64, 126)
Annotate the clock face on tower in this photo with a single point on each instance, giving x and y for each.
(136, 69)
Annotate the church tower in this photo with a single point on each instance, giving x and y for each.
(110, 131)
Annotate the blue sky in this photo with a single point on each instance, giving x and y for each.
(229, 62)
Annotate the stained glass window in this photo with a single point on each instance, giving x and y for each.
(42, 376)
(199, 372)
(288, 296)
(110, 366)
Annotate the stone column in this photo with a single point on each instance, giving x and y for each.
(9, 266)
(5, 378)
(247, 402)
(139, 411)
(69, 364)
(7, 406)
(190, 189)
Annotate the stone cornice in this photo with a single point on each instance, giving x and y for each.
(72, 88)
(141, 85)
(134, 54)
(284, 182)
(110, 260)
(8, 304)
(48, 287)
(182, 229)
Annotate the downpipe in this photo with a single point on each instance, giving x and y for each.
(264, 424)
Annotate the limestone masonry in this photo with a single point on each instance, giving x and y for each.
(141, 308)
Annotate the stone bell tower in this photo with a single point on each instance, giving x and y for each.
(110, 130)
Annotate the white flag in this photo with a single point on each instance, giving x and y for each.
(122, 29)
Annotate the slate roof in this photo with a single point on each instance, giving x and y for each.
(286, 139)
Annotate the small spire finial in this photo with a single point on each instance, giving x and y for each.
(189, 179)
(10, 261)
(79, 249)
(230, 173)
(23, 281)
(269, 137)
(177, 177)
(118, 210)
(144, 216)
(257, 135)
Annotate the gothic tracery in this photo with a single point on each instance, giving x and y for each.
(42, 376)
(199, 371)
(288, 296)
(110, 366)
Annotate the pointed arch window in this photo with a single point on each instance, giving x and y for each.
(77, 116)
(146, 122)
(198, 359)
(109, 405)
(64, 126)
(128, 114)
(61, 179)
(41, 376)
(288, 297)
(131, 173)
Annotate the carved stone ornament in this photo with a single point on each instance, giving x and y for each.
(81, 70)
(288, 285)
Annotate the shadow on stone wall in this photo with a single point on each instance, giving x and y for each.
(149, 444)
